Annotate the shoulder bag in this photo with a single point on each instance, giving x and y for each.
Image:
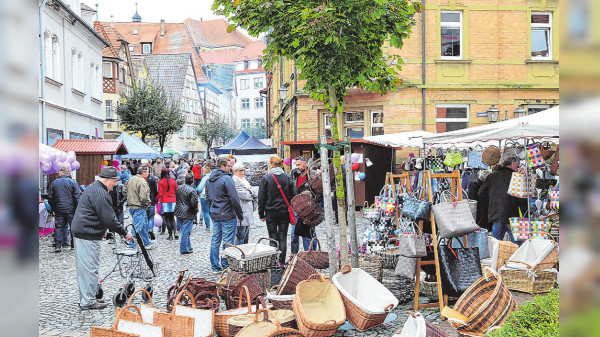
(412, 244)
(289, 207)
(454, 219)
(416, 209)
(459, 268)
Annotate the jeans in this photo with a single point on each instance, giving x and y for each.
(186, 231)
(223, 232)
(205, 212)
(278, 228)
(140, 221)
(499, 229)
(87, 265)
(178, 225)
(61, 229)
(150, 213)
(295, 242)
(241, 237)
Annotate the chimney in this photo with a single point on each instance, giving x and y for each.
(162, 27)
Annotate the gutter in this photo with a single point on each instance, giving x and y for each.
(42, 73)
(423, 73)
(77, 18)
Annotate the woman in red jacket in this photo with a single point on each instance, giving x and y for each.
(167, 187)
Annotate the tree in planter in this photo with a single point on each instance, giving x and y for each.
(336, 45)
(213, 130)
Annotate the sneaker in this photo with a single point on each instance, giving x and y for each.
(151, 245)
(58, 249)
(176, 237)
(188, 252)
(94, 306)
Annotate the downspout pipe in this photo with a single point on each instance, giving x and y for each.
(295, 104)
(42, 73)
(423, 73)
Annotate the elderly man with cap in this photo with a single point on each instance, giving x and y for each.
(63, 198)
(94, 215)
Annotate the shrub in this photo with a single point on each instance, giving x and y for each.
(536, 318)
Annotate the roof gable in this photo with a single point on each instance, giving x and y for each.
(213, 33)
(169, 71)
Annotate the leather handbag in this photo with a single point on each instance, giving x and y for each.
(545, 184)
(454, 219)
(289, 207)
(412, 245)
(406, 267)
(534, 157)
(459, 268)
(547, 149)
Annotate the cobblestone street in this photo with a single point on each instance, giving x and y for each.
(59, 314)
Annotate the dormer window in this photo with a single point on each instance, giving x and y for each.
(131, 48)
(146, 48)
(136, 31)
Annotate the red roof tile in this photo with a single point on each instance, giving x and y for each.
(213, 33)
(220, 56)
(112, 36)
(254, 51)
(177, 40)
(91, 146)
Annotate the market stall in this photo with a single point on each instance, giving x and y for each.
(137, 149)
(236, 142)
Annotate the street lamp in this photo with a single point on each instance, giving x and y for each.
(520, 112)
(493, 114)
(283, 92)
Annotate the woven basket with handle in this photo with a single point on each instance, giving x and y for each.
(491, 155)
(389, 255)
(97, 331)
(318, 259)
(285, 317)
(296, 271)
(174, 325)
(221, 325)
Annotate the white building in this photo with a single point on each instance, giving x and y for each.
(250, 79)
(71, 106)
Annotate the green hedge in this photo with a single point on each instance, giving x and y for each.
(535, 318)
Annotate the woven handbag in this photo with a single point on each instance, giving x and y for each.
(513, 149)
(385, 202)
(547, 149)
(534, 157)
(459, 268)
(522, 187)
(406, 267)
(521, 227)
(454, 219)
(318, 259)
(371, 213)
(307, 209)
(412, 245)
(491, 155)
(447, 196)
(554, 198)
(453, 157)
(297, 270)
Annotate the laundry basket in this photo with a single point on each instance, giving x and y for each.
(318, 307)
(251, 257)
(367, 302)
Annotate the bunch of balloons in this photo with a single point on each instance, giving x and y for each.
(355, 157)
(51, 160)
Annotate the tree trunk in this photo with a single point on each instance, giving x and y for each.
(143, 138)
(351, 205)
(329, 216)
(339, 180)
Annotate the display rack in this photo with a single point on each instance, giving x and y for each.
(403, 179)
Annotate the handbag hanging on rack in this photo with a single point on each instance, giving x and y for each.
(554, 198)
(513, 149)
(416, 209)
(454, 218)
(522, 185)
(534, 156)
(547, 149)
(453, 157)
(289, 207)
(459, 268)
(521, 227)
(385, 202)
(412, 243)
(556, 163)
(475, 157)
(371, 213)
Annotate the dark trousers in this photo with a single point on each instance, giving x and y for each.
(197, 182)
(278, 229)
(169, 220)
(61, 229)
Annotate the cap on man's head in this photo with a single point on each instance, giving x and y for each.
(108, 172)
(64, 170)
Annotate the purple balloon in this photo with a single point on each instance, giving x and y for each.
(46, 166)
(56, 165)
(45, 158)
(75, 165)
(52, 156)
(355, 157)
(62, 156)
(158, 220)
(71, 156)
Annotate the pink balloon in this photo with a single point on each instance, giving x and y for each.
(101, 166)
(75, 165)
(158, 220)
(287, 161)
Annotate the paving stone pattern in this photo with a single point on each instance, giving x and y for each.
(60, 315)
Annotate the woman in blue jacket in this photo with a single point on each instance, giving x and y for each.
(206, 171)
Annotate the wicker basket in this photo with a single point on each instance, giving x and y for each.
(505, 250)
(307, 209)
(318, 299)
(251, 258)
(286, 318)
(221, 318)
(318, 259)
(537, 283)
(286, 332)
(491, 155)
(373, 265)
(389, 256)
(279, 301)
(232, 295)
(96, 331)
(428, 289)
(483, 306)
(257, 328)
(228, 278)
(131, 316)
(175, 325)
(296, 271)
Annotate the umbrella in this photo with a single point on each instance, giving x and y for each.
(144, 251)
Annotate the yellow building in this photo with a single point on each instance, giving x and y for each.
(468, 55)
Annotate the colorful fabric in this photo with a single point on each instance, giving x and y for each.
(519, 186)
(534, 157)
(521, 227)
(554, 198)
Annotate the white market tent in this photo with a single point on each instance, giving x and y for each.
(542, 125)
(401, 139)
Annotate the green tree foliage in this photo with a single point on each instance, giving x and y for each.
(148, 111)
(258, 132)
(214, 130)
(336, 45)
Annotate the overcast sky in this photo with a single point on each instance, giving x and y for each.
(154, 10)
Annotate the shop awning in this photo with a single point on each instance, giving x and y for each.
(137, 148)
(238, 141)
(401, 139)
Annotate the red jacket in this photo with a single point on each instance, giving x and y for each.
(197, 169)
(164, 195)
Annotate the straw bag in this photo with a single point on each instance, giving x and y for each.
(371, 213)
(447, 196)
(484, 306)
(453, 157)
(318, 259)
(491, 155)
(367, 302)
(459, 268)
(286, 318)
(126, 328)
(297, 270)
(147, 312)
(520, 186)
(521, 227)
(454, 219)
(372, 264)
(176, 325)
(318, 307)
(257, 328)
(221, 317)
(505, 250)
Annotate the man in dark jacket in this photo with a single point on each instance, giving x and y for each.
(501, 206)
(94, 215)
(301, 184)
(186, 209)
(63, 198)
(224, 208)
(473, 194)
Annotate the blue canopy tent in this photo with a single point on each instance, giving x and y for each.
(254, 146)
(233, 144)
(138, 150)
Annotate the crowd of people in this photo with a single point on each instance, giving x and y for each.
(214, 194)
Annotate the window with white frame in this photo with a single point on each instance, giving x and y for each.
(187, 105)
(253, 64)
(580, 14)
(327, 126)
(196, 107)
(55, 58)
(259, 102)
(245, 103)
(48, 53)
(451, 35)
(376, 122)
(239, 66)
(245, 123)
(258, 83)
(107, 69)
(535, 108)
(259, 122)
(74, 69)
(81, 75)
(244, 84)
(354, 124)
(450, 117)
(108, 107)
(136, 31)
(146, 48)
(181, 132)
(541, 36)
(131, 49)
(93, 84)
